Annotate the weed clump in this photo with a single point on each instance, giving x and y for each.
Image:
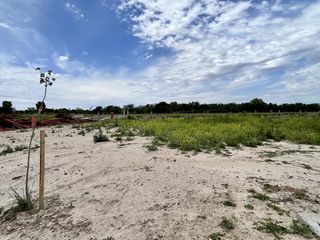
(229, 203)
(6, 151)
(22, 203)
(259, 196)
(20, 148)
(273, 227)
(249, 206)
(276, 229)
(307, 166)
(279, 210)
(100, 137)
(301, 229)
(82, 132)
(227, 223)
(216, 236)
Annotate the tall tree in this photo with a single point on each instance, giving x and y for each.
(6, 107)
(42, 105)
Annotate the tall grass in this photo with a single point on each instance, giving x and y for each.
(215, 132)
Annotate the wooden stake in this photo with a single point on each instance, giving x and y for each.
(33, 121)
(41, 175)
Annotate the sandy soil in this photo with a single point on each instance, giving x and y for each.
(123, 191)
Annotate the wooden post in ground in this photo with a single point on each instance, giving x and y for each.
(112, 115)
(33, 121)
(41, 175)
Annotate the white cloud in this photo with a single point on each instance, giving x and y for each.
(75, 11)
(222, 46)
(4, 25)
(63, 58)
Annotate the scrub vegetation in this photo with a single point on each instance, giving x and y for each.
(222, 130)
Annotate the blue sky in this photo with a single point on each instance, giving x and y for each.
(117, 52)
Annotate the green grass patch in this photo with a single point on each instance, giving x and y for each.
(259, 196)
(216, 236)
(249, 206)
(100, 137)
(228, 223)
(307, 166)
(300, 229)
(276, 229)
(6, 151)
(273, 227)
(229, 203)
(216, 132)
(279, 210)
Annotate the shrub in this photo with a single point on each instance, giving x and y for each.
(100, 137)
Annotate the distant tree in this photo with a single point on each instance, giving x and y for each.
(129, 107)
(258, 105)
(98, 110)
(42, 105)
(6, 107)
(162, 107)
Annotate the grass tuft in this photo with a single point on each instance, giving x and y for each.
(273, 227)
(216, 236)
(227, 223)
(279, 210)
(100, 137)
(6, 151)
(300, 229)
(259, 196)
(249, 206)
(22, 203)
(229, 203)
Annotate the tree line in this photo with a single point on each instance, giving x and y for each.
(255, 105)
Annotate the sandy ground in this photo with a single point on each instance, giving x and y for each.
(124, 191)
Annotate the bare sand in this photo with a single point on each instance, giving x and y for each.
(124, 191)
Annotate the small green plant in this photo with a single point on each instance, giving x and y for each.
(82, 132)
(22, 203)
(271, 188)
(216, 236)
(20, 148)
(306, 166)
(279, 210)
(229, 203)
(151, 147)
(272, 226)
(227, 223)
(249, 206)
(298, 228)
(301, 194)
(259, 196)
(100, 137)
(118, 138)
(6, 151)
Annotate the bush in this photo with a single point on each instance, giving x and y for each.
(100, 137)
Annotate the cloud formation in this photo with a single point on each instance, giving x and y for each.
(76, 12)
(211, 51)
(223, 46)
